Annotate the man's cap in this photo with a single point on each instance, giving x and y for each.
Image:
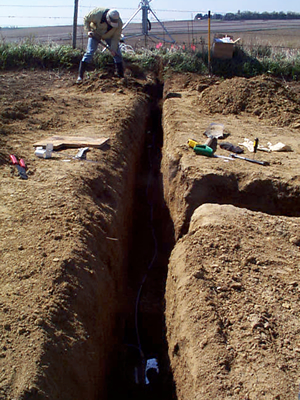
(113, 18)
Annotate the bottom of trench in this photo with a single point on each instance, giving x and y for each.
(144, 337)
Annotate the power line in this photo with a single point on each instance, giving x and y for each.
(8, 5)
(39, 17)
(119, 8)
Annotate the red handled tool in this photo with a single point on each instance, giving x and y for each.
(21, 166)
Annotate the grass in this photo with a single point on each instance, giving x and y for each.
(245, 62)
(28, 54)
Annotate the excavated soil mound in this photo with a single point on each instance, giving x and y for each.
(266, 97)
(233, 306)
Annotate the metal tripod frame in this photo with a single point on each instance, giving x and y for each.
(146, 9)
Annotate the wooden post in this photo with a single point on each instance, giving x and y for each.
(209, 41)
(75, 23)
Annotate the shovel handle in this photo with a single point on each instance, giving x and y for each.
(250, 160)
(13, 159)
(22, 163)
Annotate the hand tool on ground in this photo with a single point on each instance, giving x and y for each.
(250, 146)
(206, 149)
(255, 145)
(21, 166)
(216, 130)
(81, 155)
(250, 160)
(224, 157)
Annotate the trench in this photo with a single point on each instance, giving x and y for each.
(144, 334)
(142, 328)
(262, 195)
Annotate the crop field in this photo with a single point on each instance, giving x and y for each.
(277, 34)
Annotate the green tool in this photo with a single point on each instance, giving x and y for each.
(206, 149)
(203, 150)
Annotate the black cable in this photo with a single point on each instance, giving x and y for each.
(150, 203)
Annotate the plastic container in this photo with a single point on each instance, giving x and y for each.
(40, 152)
(44, 153)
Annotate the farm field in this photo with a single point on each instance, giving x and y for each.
(146, 249)
(274, 33)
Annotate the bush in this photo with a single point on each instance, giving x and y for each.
(181, 61)
(28, 54)
(289, 69)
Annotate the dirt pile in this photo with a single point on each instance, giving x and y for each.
(266, 97)
(274, 189)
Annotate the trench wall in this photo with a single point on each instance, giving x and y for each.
(101, 301)
(191, 180)
(84, 327)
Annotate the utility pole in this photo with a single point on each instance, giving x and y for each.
(146, 25)
(75, 23)
(209, 45)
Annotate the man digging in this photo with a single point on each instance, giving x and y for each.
(102, 25)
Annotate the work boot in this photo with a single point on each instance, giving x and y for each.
(120, 70)
(81, 71)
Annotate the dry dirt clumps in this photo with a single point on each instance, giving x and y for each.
(232, 306)
(266, 97)
(263, 96)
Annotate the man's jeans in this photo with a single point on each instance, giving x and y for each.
(92, 47)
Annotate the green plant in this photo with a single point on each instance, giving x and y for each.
(183, 61)
(30, 54)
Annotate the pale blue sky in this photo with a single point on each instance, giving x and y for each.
(48, 13)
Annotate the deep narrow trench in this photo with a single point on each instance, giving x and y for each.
(142, 328)
(144, 341)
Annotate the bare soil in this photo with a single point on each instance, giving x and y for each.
(65, 232)
(232, 294)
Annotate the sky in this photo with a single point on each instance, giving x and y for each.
(27, 13)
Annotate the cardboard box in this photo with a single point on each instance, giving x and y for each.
(223, 47)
